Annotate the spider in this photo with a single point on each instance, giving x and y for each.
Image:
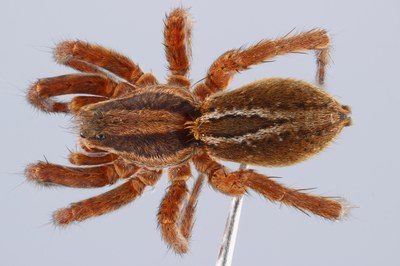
(133, 128)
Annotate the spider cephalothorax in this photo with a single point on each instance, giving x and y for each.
(132, 127)
(147, 127)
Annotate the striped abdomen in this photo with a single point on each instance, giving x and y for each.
(147, 127)
(271, 122)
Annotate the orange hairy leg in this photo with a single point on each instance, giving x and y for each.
(236, 183)
(40, 93)
(190, 208)
(177, 42)
(52, 174)
(323, 206)
(109, 201)
(84, 177)
(175, 232)
(88, 57)
(146, 80)
(228, 64)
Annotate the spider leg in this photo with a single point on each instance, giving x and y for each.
(228, 64)
(44, 173)
(177, 36)
(93, 58)
(146, 80)
(190, 208)
(236, 183)
(109, 201)
(40, 93)
(175, 227)
(326, 207)
(52, 174)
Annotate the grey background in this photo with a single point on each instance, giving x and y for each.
(362, 165)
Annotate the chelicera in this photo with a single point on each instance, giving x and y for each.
(132, 127)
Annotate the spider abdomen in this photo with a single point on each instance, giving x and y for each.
(270, 122)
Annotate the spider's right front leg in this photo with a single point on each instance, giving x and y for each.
(101, 87)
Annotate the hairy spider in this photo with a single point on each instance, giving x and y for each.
(132, 127)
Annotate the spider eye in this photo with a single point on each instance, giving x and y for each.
(100, 136)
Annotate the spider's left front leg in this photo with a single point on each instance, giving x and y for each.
(177, 36)
(236, 183)
(176, 227)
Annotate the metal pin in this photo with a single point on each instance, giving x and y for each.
(231, 228)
